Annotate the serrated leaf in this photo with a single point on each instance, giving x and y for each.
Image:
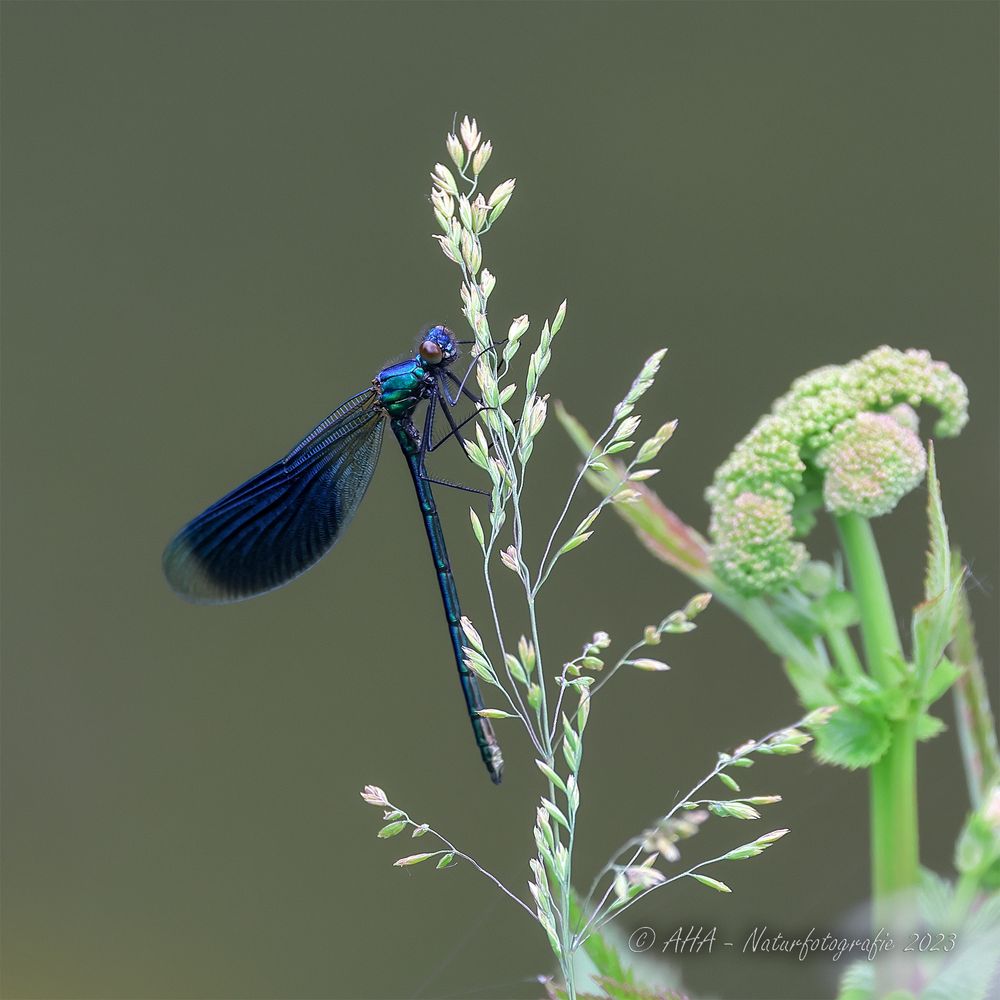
(853, 738)
(933, 620)
(977, 731)
(894, 701)
(858, 982)
(929, 726)
(935, 896)
(938, 572)
(970, 971)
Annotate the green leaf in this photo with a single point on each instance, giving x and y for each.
(942, 677)
(447, 860)
(809, 684)
(858, 982)
(933, 620)
(977, 731)
(972, 966)
(391, 829)
(838, 609)
(938, 573)
(853, 738)
(935, 896)
(712, 883)
(929, 726)
(978, 844)
(494, 713)
(615, 979)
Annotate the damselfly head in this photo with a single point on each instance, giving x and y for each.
(438, 346)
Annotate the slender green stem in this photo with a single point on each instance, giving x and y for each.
(545, 566)
(893, 788)
(566, 893)
(844, 654)
(963, 898)
(879, 634)
(471, 860)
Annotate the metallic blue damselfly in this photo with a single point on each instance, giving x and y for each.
(279, 523)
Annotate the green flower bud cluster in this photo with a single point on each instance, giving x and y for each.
(843, 436)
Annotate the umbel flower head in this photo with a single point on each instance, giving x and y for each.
(871, 466)
(843, 437)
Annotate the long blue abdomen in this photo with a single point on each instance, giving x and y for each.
(486, 740)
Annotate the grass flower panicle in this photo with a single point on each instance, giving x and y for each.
(553, 705)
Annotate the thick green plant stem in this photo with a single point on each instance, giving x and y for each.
(894, 829)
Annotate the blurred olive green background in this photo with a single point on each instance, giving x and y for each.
(215, 228)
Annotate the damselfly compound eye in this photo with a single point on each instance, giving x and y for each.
(431, 352)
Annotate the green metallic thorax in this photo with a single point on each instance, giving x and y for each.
(402, 386)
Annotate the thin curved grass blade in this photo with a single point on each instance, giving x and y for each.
(279, 523)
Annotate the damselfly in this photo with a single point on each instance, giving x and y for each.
(277, 524)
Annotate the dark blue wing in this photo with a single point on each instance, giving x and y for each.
(276, 525)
